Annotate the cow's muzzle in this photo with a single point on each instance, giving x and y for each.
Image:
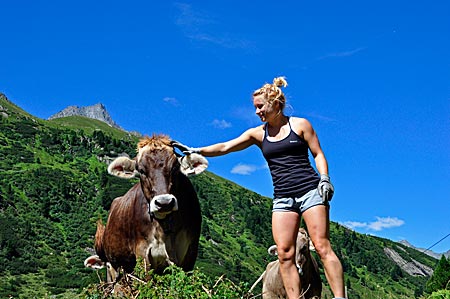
(163, 204)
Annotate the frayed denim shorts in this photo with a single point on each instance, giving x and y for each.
(298, 204)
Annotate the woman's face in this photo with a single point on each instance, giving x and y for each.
(264, 109)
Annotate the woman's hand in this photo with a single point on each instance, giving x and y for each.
(325, 188)
(185, 149)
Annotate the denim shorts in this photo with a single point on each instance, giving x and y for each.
(298, 204)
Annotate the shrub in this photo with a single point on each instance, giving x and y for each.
(175, 283)
(441, 294)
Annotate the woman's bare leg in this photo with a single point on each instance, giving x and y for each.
(318, 224)
(284, 230)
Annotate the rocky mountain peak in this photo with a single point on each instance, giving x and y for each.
(97, 111)
(431, 253)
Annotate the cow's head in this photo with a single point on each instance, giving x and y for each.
(302, 249)
(158, 167)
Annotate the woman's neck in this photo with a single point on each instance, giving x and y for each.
(278, 121)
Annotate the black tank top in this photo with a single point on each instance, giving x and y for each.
(291, 170)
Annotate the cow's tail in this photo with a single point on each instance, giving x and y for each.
(97, 261)
(256, 282)
(98, 245)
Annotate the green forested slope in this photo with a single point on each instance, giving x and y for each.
(54, 187)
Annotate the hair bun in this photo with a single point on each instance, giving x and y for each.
(280, 81)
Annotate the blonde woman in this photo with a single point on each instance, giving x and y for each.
(298, 189)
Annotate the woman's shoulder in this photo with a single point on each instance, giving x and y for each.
(257, 128)
(256, 132)
(300, 121)
(300, 125)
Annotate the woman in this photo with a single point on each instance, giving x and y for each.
(298, 189)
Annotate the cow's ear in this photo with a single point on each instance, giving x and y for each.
(272, 250)
(123, 167)
(193, 164)
(94, 262)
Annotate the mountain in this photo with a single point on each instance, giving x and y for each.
(436, 255)
(97, 111)
(54, 187)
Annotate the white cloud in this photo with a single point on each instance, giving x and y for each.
(343, 53)
(189, 17)
(221, 124)
(378, 225)
(387, 222)
(244, 169)
(247, 113)
(172, 101)
(320, 116)
(195, 25)
(354, 224)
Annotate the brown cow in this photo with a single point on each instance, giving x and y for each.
(310, 281)
(159, 218)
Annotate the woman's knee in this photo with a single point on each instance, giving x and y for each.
(323, 248)
(285, 254)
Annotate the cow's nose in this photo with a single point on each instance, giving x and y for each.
(165, 200)
(163, 204)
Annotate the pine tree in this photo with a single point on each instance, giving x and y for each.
(396, 273)
(440, 277)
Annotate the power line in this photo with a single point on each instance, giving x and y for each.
(423, 251)
(437, 243)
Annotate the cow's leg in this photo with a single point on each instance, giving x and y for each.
(190, 257)
(146, 265)
(157, 256)
(143, 250)
(111, 273)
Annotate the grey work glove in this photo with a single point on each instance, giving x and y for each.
(325, 188)
(185, 149)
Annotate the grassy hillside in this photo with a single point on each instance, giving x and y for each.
(88, 125)
(54, 186)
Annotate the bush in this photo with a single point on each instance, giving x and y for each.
(441, 294)
(175, 283)
(441, 276)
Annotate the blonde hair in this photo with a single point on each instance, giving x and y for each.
(272, 92)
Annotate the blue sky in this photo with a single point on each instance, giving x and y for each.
(373, 77)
